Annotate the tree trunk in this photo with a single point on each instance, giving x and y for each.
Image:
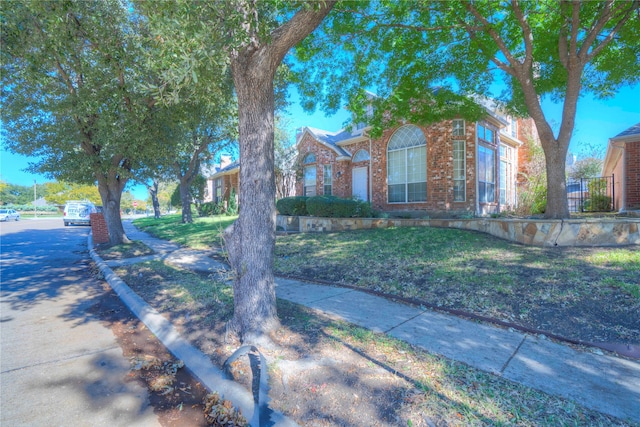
(153, 191)
(250, 240)
(111, 193)
(185, 201)
(555, 154)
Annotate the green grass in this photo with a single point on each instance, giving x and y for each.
(203, 233)
(532, 286)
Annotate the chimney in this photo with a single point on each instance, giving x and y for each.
(225, 160)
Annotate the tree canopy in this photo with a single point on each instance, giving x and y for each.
(425, 58)
(71, 77)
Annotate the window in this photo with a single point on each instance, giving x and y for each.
(218, 184)
(486, 175)
(458, 127)
(459, 171)
(309, 175)
(310, 180)
(360, 156)
(514, 127)
(485, 134)
(309, 158)
(507, 180)
(327, 178)
(407, 166)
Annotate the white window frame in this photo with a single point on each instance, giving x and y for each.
(458, 127)
(309, 185)
(406, 150)
(483, 183)
(459, 173)
(327, 189)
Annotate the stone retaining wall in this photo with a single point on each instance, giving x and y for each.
(536, 232)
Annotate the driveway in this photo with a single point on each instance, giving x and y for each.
(59, 365)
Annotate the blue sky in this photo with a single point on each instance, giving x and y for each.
(596, 122)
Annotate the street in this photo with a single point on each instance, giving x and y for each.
(59, 365)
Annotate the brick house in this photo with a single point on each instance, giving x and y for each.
(622, 160)
(222, 180)
(453, 167)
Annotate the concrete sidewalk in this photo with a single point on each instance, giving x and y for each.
(604, 383)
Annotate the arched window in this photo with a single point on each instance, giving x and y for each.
(309, 158)
(407, 166)
(360, 156)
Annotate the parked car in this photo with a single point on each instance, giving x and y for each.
(9, 215)
(78, 212)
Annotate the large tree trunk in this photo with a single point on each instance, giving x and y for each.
(111, 193)
(250, 240)
(555, 154)
(185, 201)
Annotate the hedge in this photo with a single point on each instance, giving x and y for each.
(292, 206)
(30, 208)
(324, 206)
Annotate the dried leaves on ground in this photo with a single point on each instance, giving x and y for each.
(329, 373)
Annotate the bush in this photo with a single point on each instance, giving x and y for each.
(232, 207)
(335, 207)
(30, 208)
(598, 203)
(292, 206)
(210, 209)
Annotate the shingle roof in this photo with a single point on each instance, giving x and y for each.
(633, 130)
(333, 138)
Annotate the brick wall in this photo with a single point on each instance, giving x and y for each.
(632, 159)
(99, 229)
(439, 168)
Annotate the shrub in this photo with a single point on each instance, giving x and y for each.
(335, 207)
(292, 205)
(210, 209)
(598, 203)
(232, 208)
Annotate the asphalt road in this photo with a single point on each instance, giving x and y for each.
(58, 365)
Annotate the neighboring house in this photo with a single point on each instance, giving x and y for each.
(623, 162)
(453, 167)
(222, 180)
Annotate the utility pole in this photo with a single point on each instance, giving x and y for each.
(35, 197)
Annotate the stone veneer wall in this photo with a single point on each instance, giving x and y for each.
(535, 232)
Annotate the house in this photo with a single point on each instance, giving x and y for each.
(222, 180)
(449, 168)
(622, 161)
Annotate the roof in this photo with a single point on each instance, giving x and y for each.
(334, 139)
(232, 167)
(630, 134)
(614, 149)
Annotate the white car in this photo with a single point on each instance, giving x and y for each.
(9, 215)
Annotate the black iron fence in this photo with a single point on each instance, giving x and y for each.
(591, 194)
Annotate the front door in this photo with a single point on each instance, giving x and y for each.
(359, 184)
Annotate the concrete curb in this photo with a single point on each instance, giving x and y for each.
(196, 361)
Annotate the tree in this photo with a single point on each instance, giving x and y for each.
(251, 39)
(58, 192)
(70, 80)
(544, 48)
(587, 167)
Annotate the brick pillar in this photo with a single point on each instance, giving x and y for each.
(99, 229)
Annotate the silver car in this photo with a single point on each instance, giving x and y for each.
(9, 215)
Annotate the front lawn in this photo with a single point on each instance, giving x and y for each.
(588, 294)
